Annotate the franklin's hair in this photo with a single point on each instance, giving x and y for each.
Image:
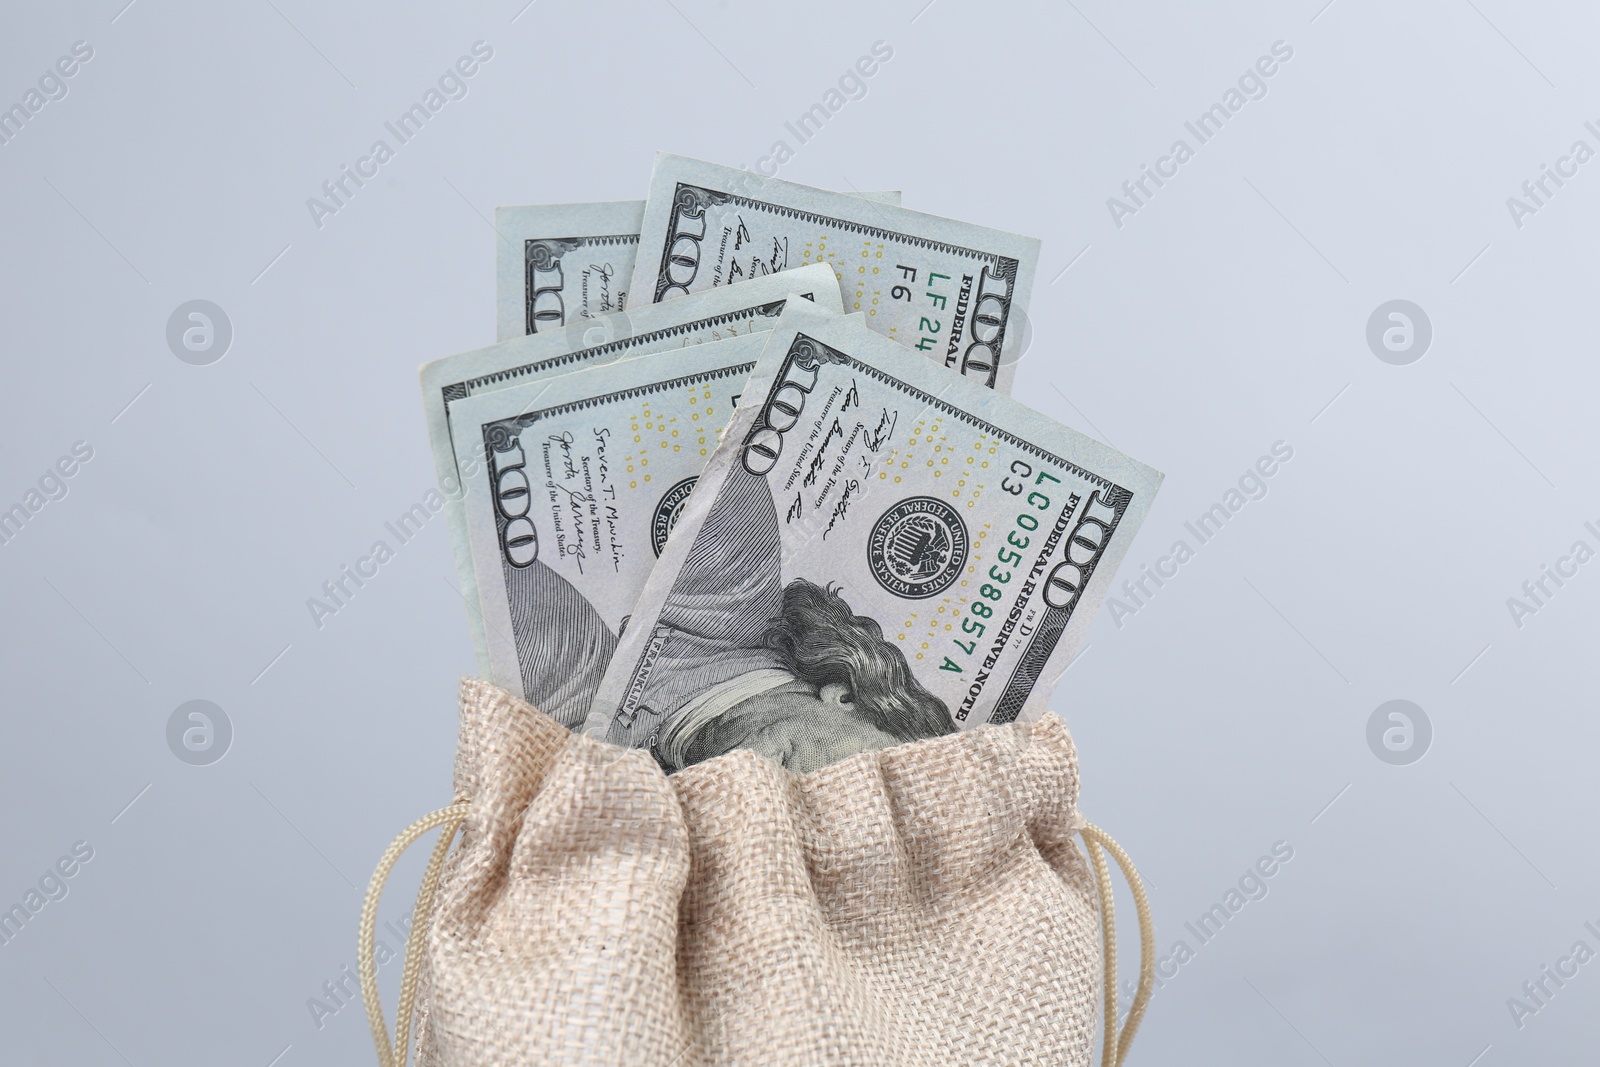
(821, 642)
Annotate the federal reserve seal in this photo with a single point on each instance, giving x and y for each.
(918, 547)
(667, 512)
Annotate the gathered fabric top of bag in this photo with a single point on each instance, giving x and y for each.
(923, 904)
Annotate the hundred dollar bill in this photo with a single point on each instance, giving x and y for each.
(949, 289)
(557, 262)
(753, 307)
(582, 477)
(877, 551)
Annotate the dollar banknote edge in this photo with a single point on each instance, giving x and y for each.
(1145, 482)
(714, 360)
(518, 228)
(558, 228)
(479, 365)
(683, 172)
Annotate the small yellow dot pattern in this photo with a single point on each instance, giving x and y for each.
(925, 633)
(656, 435)
(859, 268)
(931, 450)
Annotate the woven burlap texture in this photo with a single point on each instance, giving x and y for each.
(926, 904)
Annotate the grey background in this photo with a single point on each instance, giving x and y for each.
(1229, 313)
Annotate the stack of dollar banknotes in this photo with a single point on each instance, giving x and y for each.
(744, 472)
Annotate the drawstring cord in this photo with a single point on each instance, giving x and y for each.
(1114, 1051)
(451, 819)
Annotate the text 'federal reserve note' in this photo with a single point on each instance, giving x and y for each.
(950, 290)
(878, 551)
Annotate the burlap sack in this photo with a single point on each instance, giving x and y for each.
(925, 904)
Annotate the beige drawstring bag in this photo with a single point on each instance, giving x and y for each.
(924, 904)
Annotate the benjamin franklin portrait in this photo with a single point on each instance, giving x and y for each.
(740, 658)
